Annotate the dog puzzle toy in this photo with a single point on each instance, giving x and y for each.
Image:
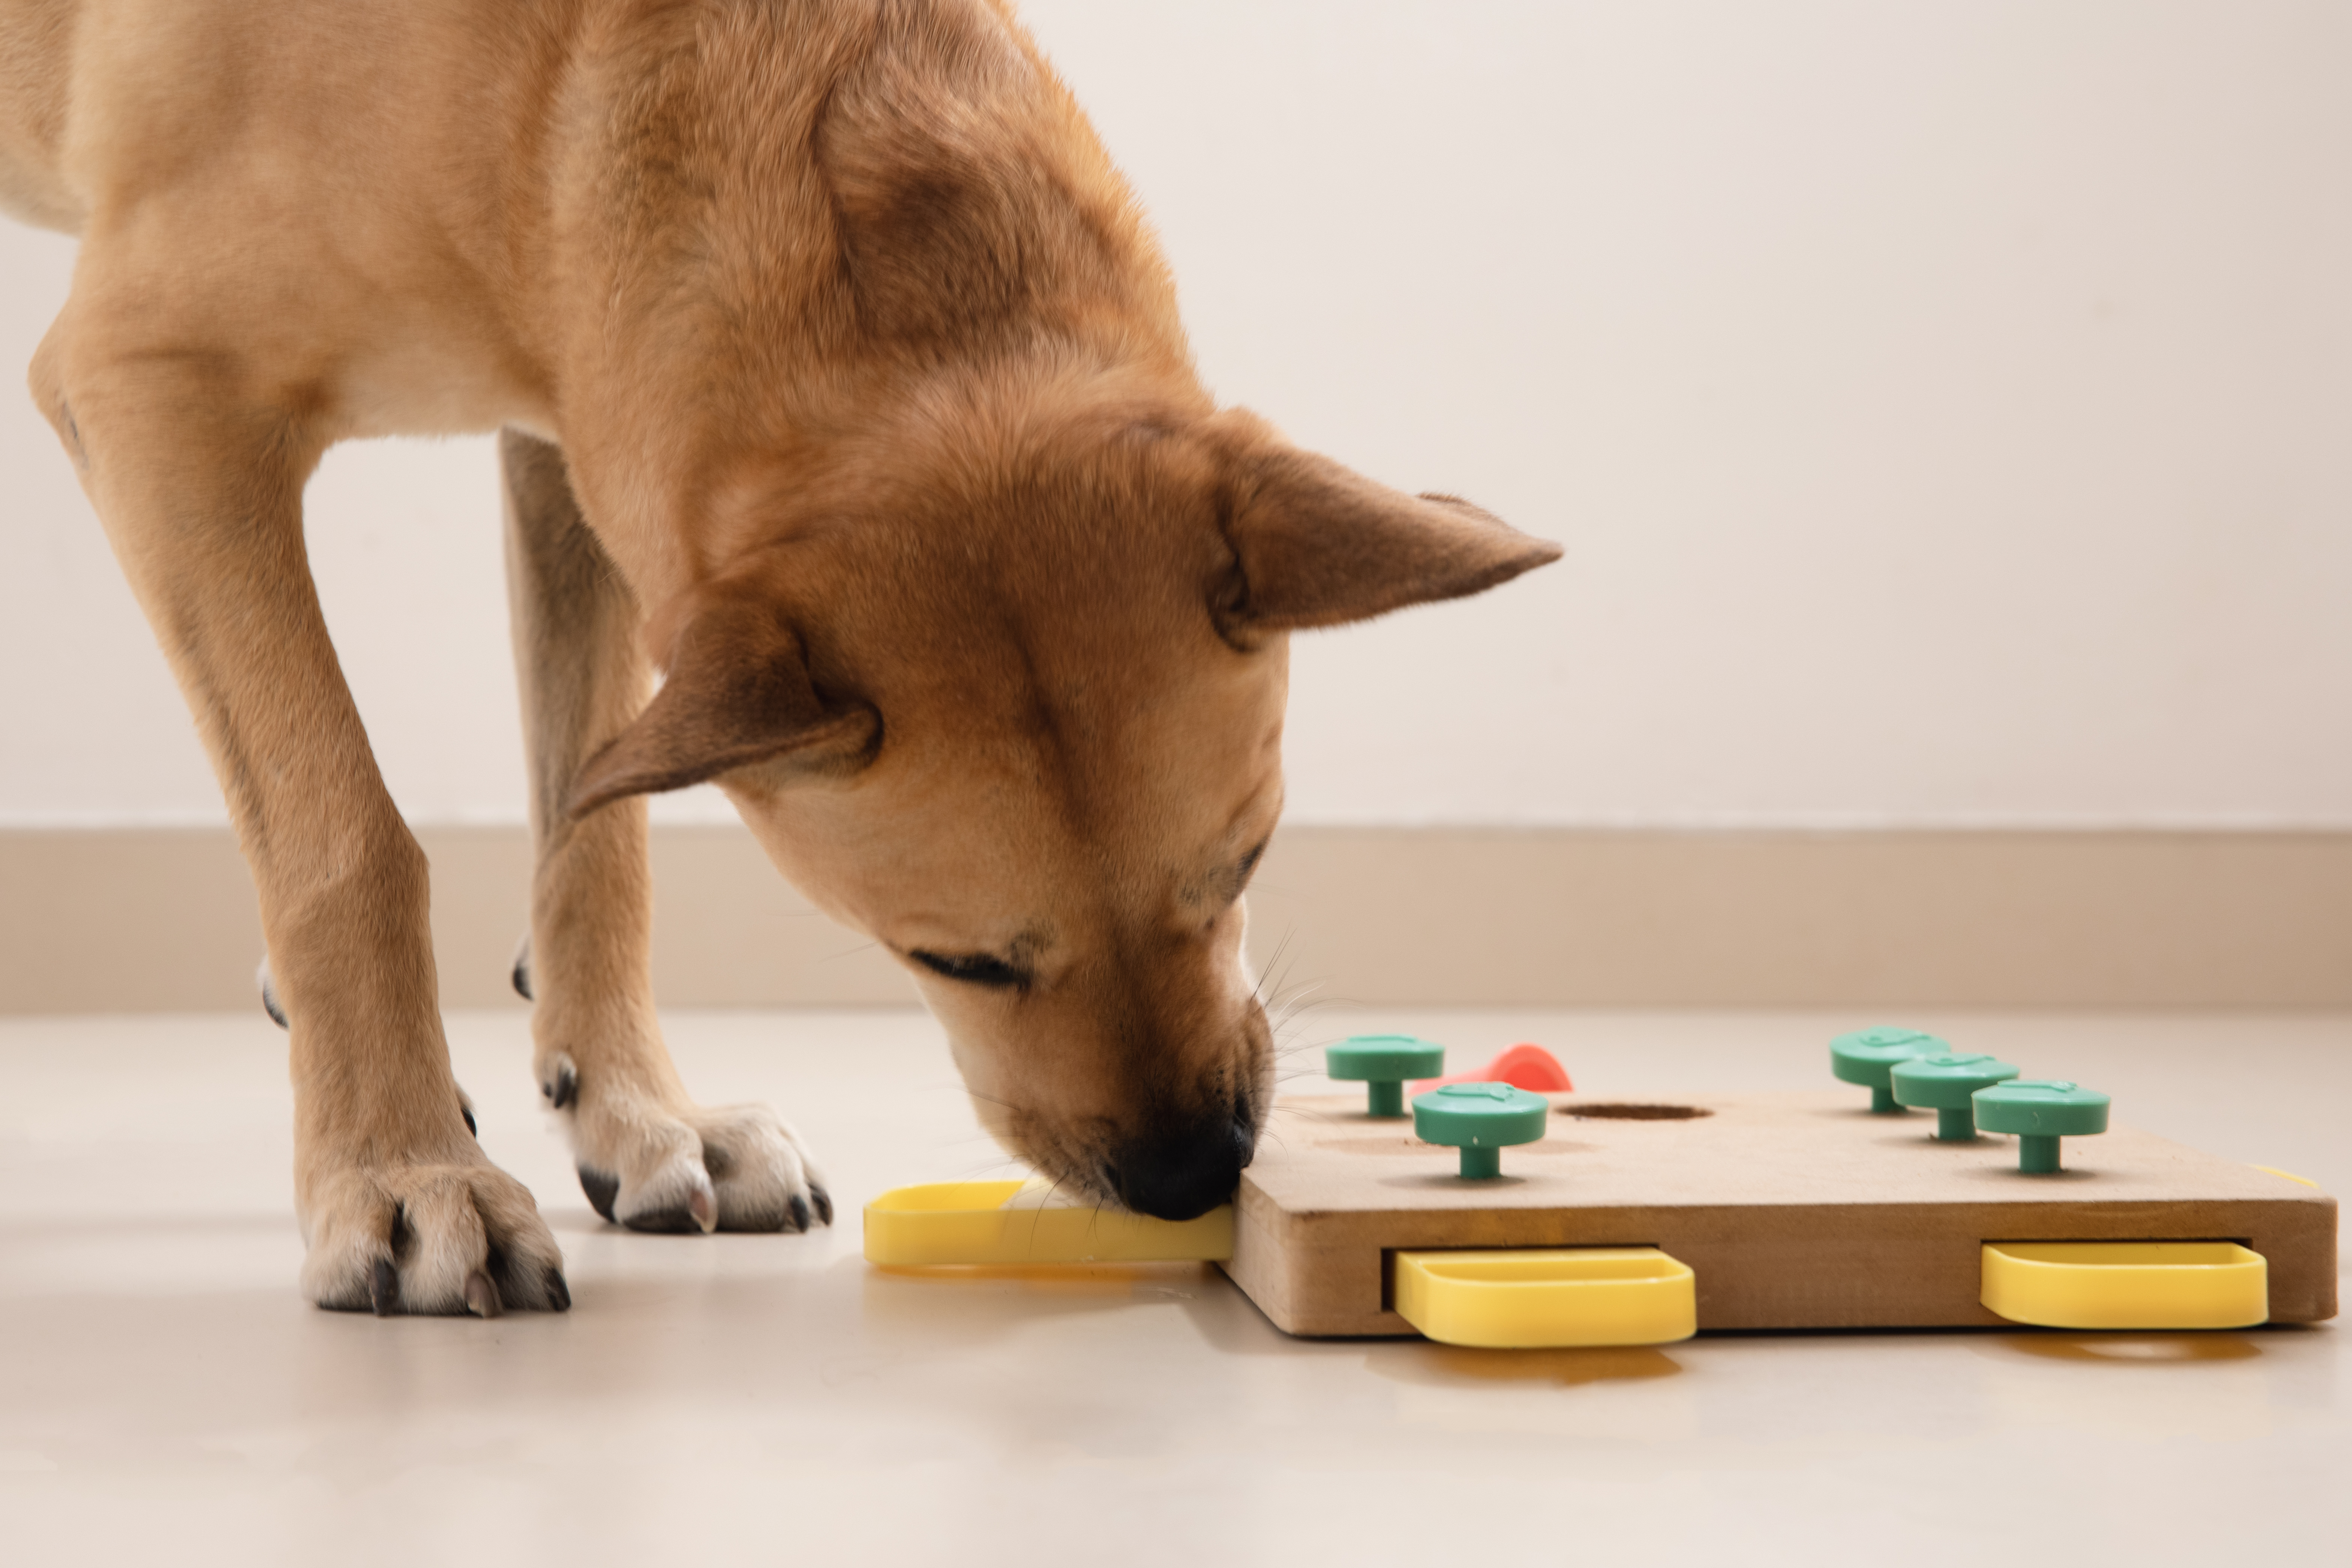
(1481, 1119)
(1548, 1298)
(1867, 1056)
(1947, 1084)
(2125, 1284)
(2039, 1113)
(1385, 1063)
(1794, 1211)
(1012, 1223)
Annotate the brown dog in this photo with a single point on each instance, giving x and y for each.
(842, 382)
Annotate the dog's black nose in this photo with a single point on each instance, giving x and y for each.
(1186, 1175)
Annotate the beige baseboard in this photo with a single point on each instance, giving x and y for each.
(141, 921)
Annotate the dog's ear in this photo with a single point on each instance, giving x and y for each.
(738, 692)
(1317, 544)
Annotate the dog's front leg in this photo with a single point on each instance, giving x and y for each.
(649, 1157)
(196, 464)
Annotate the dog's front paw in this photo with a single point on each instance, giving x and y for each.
(660, 1164)
(430, 1238)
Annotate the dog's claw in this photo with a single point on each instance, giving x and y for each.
(703, 1205)
(601, 1190)
(559, 1294)
(482, 1295)
(800, 1211)
(383, 1288)
(270, 1003)
(562, 1089)
(823, 1201)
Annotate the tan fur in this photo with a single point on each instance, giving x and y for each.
(842, 379)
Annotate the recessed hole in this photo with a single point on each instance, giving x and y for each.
(1637, 1112)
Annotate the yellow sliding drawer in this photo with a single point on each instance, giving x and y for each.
(2126, 1284)
(1022, 1223)
(1540, 1299)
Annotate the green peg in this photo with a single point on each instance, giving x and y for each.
(2040, 1111)
(1944, 1084)
(1868, 1056)
(1386, 1063)
(1481, 1119)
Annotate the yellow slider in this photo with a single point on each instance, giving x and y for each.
(2126, 1284)
(1022, 1222)
(1548, 1298)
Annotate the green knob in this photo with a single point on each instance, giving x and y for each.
(2040, 1111)
(1944, 1084)
(1386, 1062)
(1481, 1119)
(1868, 1056)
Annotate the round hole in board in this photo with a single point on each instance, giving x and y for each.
(1636, 1112)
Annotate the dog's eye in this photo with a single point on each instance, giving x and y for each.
(973, 969)
(1247, 869)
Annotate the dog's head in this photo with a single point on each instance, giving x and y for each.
(1003, 689)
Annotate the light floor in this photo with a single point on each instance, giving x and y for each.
(165, 1397)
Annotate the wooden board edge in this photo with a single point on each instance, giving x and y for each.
(1302, 1281)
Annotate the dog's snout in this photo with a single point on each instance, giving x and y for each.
(1186, 1175)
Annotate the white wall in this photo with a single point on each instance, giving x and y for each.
(1947, 408)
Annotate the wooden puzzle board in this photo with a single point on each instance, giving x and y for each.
(1797, 1211)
